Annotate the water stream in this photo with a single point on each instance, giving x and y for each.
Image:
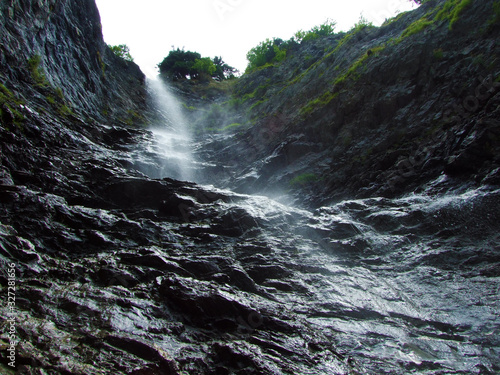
(172, 142)
(389, 285)
(399, 284)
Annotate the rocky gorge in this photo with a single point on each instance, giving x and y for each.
(347, 225)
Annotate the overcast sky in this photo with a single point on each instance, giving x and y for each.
(227, 28)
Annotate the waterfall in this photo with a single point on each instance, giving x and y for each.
(172, 138)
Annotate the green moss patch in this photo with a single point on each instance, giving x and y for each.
(37, 73)
(9, 108)
(415, 28)
(303, 180)
(353, 71)
(451, 11)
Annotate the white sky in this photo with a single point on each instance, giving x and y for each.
(227, 28)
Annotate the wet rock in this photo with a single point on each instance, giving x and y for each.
(408, 115)
(153, 261)
(200, 302)
(177, 206)
(109, 277)
(260, 273)
(160, 276)
(144, 351)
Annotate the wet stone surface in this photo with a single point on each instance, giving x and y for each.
(120, 268)
(121, 273)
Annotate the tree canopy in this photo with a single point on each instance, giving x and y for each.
(181, 64)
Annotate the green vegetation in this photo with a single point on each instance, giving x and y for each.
(325, 29)
(272, 52)
(222, 70)
(59, 104)
(65, 110)
(9, 105)
(122, 51)
(303, 180)
(189, 108)
(56, 96)
(101, 63)
(220, 117)
(205, 68)
(451, 11)
(319, 102)
(360, 25)
(36, 71)
(394, 19)
(266, 53)
(414, 28)
(180, 64)
(496, 14)
(134, 118)
(276, 50)
(352, 72)
(438, 53)
(232, 126)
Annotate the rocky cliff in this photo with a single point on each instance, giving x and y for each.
(54, 50)
(105, 270)
(374, 111)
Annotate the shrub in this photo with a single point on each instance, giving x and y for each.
(267, 52)
(272, 51)
(361, 24)
(325, 29)
(36, 71)
(122, 51)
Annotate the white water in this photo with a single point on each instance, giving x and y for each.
(401, 285)
(172, 137)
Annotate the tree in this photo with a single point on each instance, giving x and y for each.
(179, 64)
(222, 70)
(122, 51)
(267, 52)
(204, 69)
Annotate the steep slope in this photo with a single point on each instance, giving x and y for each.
(107, 271)
(54, 49)
(375, 111)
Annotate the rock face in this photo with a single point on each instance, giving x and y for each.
(375, 111)
(119, 273)
(59, 44)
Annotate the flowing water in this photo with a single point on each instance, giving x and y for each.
(397, 285)
(171, 146)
